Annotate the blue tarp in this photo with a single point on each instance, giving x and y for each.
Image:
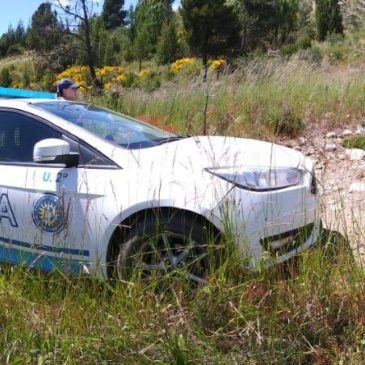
(7, 92)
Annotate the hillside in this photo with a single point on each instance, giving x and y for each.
(308, 311)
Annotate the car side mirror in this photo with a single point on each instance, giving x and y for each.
(53, 150)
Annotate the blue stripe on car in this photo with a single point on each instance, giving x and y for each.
(64, 250)
(39, 261)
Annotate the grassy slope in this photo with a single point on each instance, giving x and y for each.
(260, 99)
(311, 312)
(17, 64)
(308, 312)
(16, 61)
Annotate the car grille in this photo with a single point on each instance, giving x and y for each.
(314, 185)
(286, 242)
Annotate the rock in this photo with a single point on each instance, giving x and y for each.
(302, 141)
(342, 157)
(357, 187)
(360, 130)
(359, 174)
(331, 135)
(355, 154)
(331, 147)
(310, 151)
(347, 133)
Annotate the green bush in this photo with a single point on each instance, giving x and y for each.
(149, 83)
(130, 81)
(5, 77)
(26, 76)
(304, 42)
(311, 55)
(15, 49)
(46, 82)
(354, 142)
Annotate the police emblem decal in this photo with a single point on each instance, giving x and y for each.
(48, 214)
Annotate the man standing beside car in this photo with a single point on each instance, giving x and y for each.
(67, 90)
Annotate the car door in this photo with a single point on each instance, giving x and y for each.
(41, 211)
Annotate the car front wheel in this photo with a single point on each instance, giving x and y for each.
(163, 246)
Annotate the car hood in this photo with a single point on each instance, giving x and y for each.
(196, 153)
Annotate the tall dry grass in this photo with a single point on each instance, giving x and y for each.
(261, 98)
(308, 311)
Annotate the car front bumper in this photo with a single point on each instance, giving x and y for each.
(270, 227)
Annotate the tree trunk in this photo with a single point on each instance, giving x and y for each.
(205, 67)
(243, 39)
(205, 113)
(89, 48)
(275, 41)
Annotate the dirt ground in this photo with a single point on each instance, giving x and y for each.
(341, 175)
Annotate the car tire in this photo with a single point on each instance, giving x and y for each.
(334, 245)
(166, 246)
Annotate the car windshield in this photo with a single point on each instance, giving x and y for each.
(113, 127)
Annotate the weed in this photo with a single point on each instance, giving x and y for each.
(354, 142)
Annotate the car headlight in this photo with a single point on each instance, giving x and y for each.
(259, 179)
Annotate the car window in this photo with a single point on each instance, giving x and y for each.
(88, 155)
(113, 127)
(18, 135)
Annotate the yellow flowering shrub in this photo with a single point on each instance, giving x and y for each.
(108, 86)
(183, 64)
(193, 66)
(144, 73)
(119, 75)
(17, 85)
(80, 75)
(108, 71)
(34, 86)
(217, 64)
(120, 78)
(22, 85)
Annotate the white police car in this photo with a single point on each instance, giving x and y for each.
(86, 189)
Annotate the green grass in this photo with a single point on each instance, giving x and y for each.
(15, 61)
(354, 142)
(308, 311)
(262, 98)
(18, 66)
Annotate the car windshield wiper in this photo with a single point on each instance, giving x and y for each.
(160, 141)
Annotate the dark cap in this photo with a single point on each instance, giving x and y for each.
(65, 84)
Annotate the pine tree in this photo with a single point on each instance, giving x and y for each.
(112, 14)
(287, 17)
(211, 28)
(149, 17)
(266, 22)
(328, 18)
(45, 32)
(19, 34)
(168, 47)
